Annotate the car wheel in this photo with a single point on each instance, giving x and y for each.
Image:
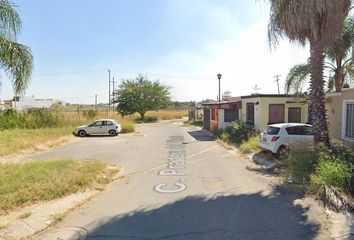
(112, 133)
(283, 152)
(82, 133)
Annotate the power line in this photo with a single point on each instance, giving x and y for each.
(122, 72)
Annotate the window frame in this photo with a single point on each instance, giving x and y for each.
(277, 105)
(344, 119)
(233, 117)
(293, 108)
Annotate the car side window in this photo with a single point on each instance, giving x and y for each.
(293, 130)
(99, 123)
(307, 130)
(109, 123)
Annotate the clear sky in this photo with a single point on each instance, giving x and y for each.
(183, 43)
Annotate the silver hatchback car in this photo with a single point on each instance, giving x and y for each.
(99, 127)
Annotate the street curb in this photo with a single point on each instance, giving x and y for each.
(268, 165)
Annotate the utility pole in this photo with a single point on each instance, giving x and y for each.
(219, 75)
(277, 80)
(96, 102)
(109, 90)
(113, 82)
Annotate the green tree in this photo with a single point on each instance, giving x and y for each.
(339, 63)
(319, 23)
(141, 95)
(15, 59)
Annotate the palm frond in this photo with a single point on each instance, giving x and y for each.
(341, 48)
(10, 21)
(296, 78)
(17, 61)
(299, 20)
(331, 84)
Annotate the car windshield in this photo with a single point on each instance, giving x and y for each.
(272, 130)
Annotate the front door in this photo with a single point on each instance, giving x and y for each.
(250, 114)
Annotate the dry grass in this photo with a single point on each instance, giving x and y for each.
(167, 115)
(250, 146)
(31, 182)
(14, 141)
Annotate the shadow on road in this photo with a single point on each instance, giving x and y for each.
(200, 136)
(251, 216)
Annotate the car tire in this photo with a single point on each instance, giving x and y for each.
(82, 133)
(112, 133)
(283, 152)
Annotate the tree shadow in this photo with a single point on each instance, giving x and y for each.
(245, 216)
(201, 136)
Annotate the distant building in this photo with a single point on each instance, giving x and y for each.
(22, 104)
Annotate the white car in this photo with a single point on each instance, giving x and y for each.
(279, 138)
(99, 127)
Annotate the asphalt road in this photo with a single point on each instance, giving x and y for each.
(179, 184)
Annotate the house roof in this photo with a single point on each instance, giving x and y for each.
(272, 96)
(219, 103)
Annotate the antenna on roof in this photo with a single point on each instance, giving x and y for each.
(256, 89)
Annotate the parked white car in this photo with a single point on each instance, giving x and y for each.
(279, 138)
(99, 127)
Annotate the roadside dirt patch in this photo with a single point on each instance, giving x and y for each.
(50, 144)
(54, 143)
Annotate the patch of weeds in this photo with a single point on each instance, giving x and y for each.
(58, 217)
(250, 146)
(301, 165)
(25, 215)
(332, 173)
(27, 183)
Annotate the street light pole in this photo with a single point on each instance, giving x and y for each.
(109, 90)
(219, 75)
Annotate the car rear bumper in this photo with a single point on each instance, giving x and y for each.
(267, 147)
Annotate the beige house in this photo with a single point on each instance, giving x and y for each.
(261, 110)
(340, 111)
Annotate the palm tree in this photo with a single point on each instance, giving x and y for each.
(339, 63)
(319, 23)
(15, 59)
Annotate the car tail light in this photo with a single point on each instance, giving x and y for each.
(275, 138)
(116, 126)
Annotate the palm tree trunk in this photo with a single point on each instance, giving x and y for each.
(339, 78)
(317, 95)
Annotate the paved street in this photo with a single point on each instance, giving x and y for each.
(179, 185)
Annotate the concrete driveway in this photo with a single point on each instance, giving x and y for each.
(179, 184)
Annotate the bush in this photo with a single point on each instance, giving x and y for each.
(240, 132)
(332, 173)
(34, 119)
(127, 127)
(301, 165)
(251, 145)
(337, 151)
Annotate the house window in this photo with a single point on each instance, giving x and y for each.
(230, 115)
(250, 113)
(294, 115)
(276, 113)
(349, 120)
(213, 114)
